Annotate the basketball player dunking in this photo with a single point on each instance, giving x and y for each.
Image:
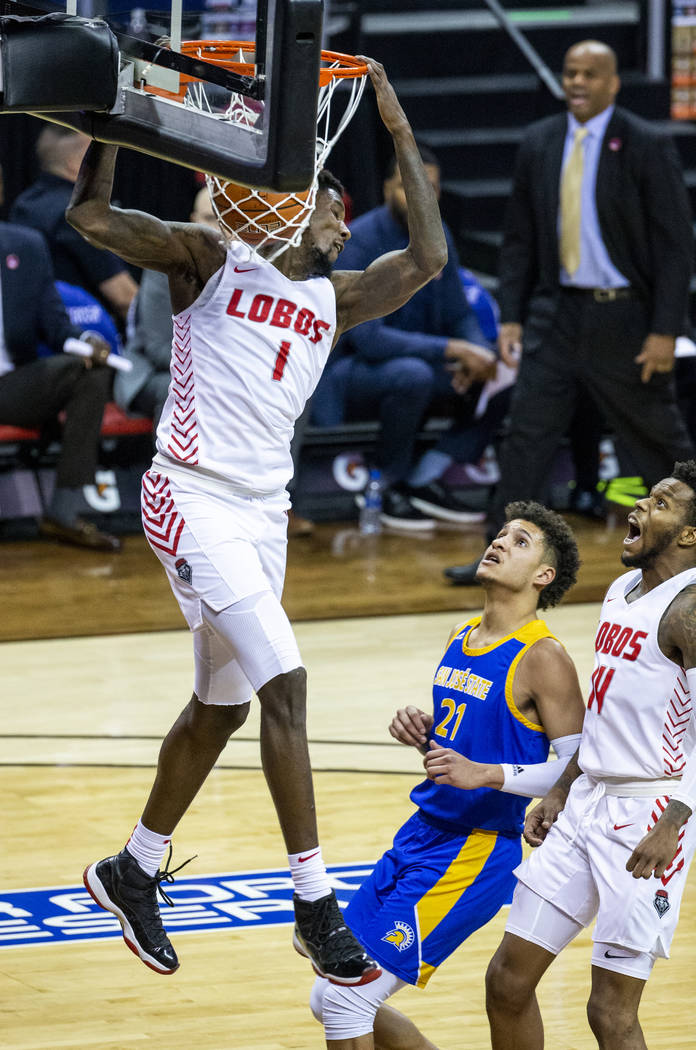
(626, 816)
(250, 341)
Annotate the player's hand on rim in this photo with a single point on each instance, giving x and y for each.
(390, 109)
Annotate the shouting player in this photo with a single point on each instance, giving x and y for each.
(251, 338)
(624, 801)
(504, 688)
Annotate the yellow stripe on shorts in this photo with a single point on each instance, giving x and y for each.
(464, 869)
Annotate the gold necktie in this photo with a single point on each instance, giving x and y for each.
(571, 204)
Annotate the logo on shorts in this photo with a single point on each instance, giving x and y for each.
(661, 902)
(401, 936)
(183, 570)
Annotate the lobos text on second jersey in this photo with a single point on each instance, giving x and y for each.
(639, 720)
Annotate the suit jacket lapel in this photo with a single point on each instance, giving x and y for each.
(610, 156)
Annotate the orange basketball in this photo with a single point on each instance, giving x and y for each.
(257, 214)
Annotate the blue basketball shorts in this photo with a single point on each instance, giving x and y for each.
(428, 893)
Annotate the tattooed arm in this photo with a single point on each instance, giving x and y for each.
(188, 253)
(392, 279)
(677, 640)
(545, 813)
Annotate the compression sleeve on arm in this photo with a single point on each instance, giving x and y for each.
(685, 789)
(534, 781)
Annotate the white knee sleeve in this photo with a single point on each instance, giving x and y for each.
(259, 635)
(348, 1011)
(316, 998)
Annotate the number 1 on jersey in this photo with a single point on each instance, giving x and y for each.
(281, 360)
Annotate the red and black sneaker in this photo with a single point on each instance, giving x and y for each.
(119, 885)
(322, 936)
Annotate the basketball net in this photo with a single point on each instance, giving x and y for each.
(275, 219)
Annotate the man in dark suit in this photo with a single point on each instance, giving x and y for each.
(33, 389)
(594, 282)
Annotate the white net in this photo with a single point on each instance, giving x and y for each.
(261, 217)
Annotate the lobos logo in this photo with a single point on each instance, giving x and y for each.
(619, 641)
(661, 902)
(281, 313)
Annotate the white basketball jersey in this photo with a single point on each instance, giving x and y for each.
(246, 356)
(639, 721)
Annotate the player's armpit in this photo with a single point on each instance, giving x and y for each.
(138, 238)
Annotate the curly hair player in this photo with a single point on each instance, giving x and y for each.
(504, 689)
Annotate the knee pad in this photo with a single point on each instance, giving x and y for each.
(348, 1010)
(316, 998)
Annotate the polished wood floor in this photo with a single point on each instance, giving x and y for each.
(94, 669)
(58, 591)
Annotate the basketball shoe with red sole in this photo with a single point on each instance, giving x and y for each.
(322, 936)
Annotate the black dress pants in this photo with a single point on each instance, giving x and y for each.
(589, 347)
(34, 394)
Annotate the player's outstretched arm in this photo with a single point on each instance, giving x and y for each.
(655, 851)
(392, 279)
(138, 238)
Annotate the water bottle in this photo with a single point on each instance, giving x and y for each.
(370, 520)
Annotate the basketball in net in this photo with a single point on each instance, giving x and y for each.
(259, 215)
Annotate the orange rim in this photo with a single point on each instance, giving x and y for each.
(225, 53)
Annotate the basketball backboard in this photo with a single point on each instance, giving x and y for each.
(273, 147)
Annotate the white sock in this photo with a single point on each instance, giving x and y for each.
(309, 874)
(147, 847)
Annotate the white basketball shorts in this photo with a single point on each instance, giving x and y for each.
(581, 869)
(218, 549)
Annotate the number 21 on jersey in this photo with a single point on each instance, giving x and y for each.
(453, 710)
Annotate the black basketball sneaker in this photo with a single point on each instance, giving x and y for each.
(322, 936)
(119, 885)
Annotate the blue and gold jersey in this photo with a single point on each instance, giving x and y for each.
(475, 714)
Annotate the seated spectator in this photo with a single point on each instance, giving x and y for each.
(429, 357)
(42, 206)
(33, 389)
(88, 314)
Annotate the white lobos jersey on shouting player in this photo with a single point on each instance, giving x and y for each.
(638, 723)
(246, 356)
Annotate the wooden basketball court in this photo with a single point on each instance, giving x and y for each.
(95, 667)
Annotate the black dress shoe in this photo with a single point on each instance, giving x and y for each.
(463, 575)
(79, 534)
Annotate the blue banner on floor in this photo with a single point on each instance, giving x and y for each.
(210, 902)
